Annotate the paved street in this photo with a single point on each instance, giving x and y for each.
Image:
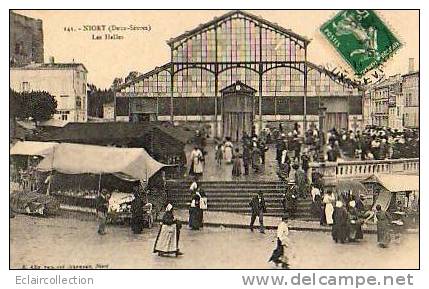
(65, 241)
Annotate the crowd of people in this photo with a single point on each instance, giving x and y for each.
(252, 155)
(295, 151)
(344, 212)
(374, 143)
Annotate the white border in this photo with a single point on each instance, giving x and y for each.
(205, 279)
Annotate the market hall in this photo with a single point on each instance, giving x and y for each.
(239, 47)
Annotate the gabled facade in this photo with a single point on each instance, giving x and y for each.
(239, 46)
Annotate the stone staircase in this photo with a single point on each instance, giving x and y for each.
(234, 196)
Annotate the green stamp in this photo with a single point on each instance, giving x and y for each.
(361, 38)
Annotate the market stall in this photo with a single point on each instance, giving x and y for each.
(389, 190)
(397, 194)
(76, 173)
(133, 165)
(25, 156)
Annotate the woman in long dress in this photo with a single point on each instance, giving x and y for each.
(317, 201)
(195, 212)
(256, 155)
(203, 205)
(236, 167)
(328, 200)
(228, 151)
(340, 227)
(167, 241)
(279, 254)
(383, 227)
(355, 232)
(197, 160)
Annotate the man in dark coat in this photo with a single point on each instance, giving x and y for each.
(246, 158)
(137, 213)
(257, 205)
(340, 226)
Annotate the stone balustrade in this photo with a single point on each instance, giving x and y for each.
(359, 170)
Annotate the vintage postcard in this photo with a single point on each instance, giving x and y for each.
(214, 139)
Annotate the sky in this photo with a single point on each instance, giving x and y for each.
(144, 50)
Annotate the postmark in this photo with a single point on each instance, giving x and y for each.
(362, 39)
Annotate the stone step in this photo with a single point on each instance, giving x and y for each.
(249, 195)
(247, 209)
(238, 204)
(278, 212)
(236, 199)
(242, 203)
(204, 186)
(235, 196)
(233, 188)
(227, 204)
(250, 181)
(224, 188)
(230, 194)
(225, 196)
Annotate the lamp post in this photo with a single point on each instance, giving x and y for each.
(322, 132)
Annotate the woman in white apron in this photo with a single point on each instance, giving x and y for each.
(167, 241)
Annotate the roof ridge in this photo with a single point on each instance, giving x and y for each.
(231, 13)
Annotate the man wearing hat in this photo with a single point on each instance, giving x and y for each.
(257, 205)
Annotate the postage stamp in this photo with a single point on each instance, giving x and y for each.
(362, 39)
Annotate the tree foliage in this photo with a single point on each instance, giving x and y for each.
(116, 82)
(97, 98)
(131, 76)
(35, 105)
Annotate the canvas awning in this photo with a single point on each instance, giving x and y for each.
(395, 183)
(33, 148)
(351, 186)
(126, 163)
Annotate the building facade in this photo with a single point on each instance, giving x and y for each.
(394, 102)
(25, 40)
(239, 47)
(386, 104)
(67, 82)
(411, 96)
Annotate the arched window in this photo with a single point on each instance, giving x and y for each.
(193, 82)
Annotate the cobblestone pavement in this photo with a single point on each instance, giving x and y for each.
(65, 241)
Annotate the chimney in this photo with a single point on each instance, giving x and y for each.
(410, 65)
(51, 60)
